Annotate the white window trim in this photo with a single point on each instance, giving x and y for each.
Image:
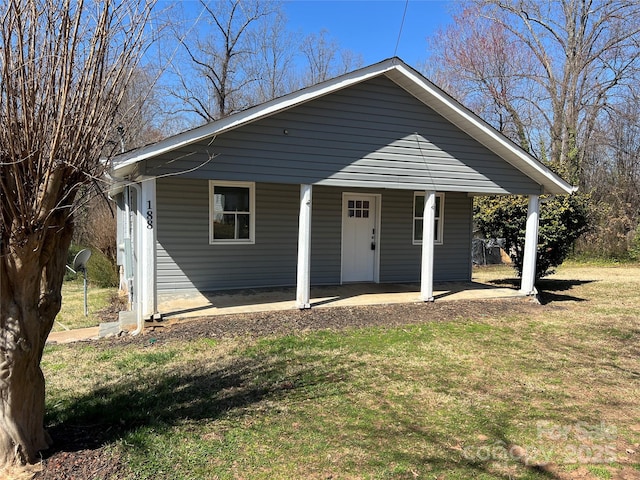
(252, 212)
(440, 232)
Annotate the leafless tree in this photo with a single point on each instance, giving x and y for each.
(612, 176)
(214, 82)
(272, 62)
(572, 57)
(64, 70)
(564, 75)
(477, 60)
(325, 59)
(587, 52)
(239, 53)
(140, 118)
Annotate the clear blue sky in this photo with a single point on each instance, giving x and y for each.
(371, 27)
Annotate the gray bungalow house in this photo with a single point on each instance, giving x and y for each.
(339, 182)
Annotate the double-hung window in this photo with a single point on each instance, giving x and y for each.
(232, 212)
(418, 217)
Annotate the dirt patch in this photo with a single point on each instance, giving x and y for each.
(110, 313)
(336, 318)
(83, 464)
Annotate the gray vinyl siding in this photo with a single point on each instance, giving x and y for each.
(371, 135)
(186, 260)
(326, 236)
(400, 259)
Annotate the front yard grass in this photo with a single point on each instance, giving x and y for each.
(71, 314)
(550, 394)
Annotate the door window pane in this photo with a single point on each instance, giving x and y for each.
(358, 208)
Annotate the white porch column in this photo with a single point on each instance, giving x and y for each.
(303, 281)
(530, 247)
(428, 239)
(148, 301)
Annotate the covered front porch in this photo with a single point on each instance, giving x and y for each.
(199, 304)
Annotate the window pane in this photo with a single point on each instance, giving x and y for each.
(365, 204)
(243, 226)
(231, 199)
(224, 227)
(437, 232)
(418, 230)
(358, 213)
(438, 207)
(351, 204)
(358, 204)
(418, 206)
(365, 213)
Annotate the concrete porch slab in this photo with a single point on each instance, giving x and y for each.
(199, 304)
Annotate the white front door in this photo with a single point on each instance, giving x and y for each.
(359, 237)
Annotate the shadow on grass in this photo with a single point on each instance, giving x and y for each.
(471, 459)
(549, 288)
(161, 400)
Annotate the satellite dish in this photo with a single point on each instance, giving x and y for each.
(81, 259)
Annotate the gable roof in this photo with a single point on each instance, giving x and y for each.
(402, 75)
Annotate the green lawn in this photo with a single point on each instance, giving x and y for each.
(72, 312)
(548, 394)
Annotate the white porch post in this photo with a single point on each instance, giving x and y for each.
(428, 239)
(303, 281)
(530, 247)
(147, 258)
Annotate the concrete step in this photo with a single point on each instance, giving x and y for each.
(109, 329)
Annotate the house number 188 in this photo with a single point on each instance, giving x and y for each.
(149, 215)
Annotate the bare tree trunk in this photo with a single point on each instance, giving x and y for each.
(64, 70)
(30, 284)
